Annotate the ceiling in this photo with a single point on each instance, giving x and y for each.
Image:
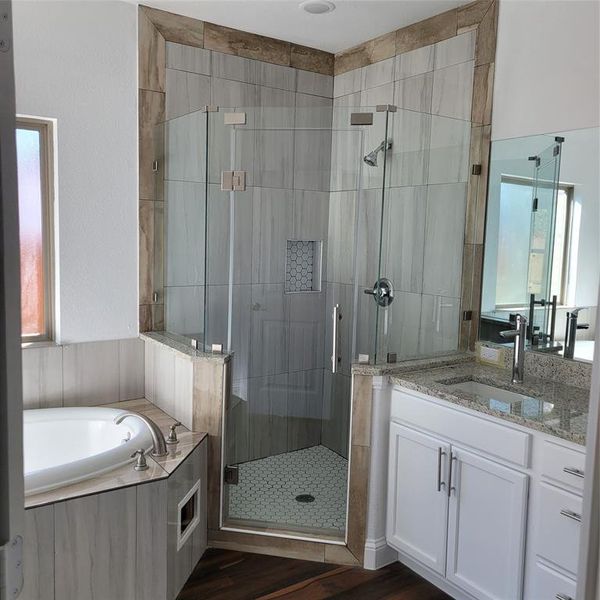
(353, 21)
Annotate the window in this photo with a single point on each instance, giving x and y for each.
(34, 169)
(531, 243)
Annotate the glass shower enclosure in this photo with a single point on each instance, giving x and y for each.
(294, 238)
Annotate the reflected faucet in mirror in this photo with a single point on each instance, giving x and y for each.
(571, 332)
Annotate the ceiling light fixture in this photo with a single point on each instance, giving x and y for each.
(317, 7)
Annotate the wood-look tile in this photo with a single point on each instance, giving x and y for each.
(38, 554)
(449, 150)
(145, 317)
(485, 50)
(305, 398)
(260, 544)
(455, 50)
(346, 83)
(146, 250)
(105, 524)
(311, 59)
(415, 62)
(188, 58)
(248, 45)
(176, 28)
(483, 92)
(186, 93)
(470, 16)
(414, 93)
(315, 84)
(429, 31)
(453, 91)
(151, 112)
(158, 317)
(482, 196)
(42, 377)
(312, 168)
(91, 373)
(474, 184)
(358, 499)
(444, 233)
(275, 76)
(131, 369)
(340, 555)
(362, 398)
(378, 73)
(439, 327)
(372, 51)
(151, 519)
(151, 55)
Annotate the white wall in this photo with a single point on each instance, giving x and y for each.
(77, 62)
(547, 66)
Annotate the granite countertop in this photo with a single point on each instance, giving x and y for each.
(125, 476)
(183, 345)
(551, 407)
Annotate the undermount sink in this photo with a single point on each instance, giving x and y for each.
(503, 400)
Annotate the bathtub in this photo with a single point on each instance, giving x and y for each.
(66, 445)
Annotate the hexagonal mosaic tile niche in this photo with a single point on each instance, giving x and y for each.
(303, 266)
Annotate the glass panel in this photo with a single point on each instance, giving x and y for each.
(180, 223)
(31, 211)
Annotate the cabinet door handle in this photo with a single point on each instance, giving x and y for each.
(574, 471)
(451, 488)
(440, 483)
(560, 596)
(565, 512)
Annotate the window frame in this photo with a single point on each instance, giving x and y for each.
(569, 191)
(46, 129)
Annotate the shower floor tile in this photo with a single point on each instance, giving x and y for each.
(268, 487)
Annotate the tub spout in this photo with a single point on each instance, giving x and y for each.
(159, 446)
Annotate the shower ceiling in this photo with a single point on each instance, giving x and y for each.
(351, 23)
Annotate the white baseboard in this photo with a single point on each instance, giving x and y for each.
(378, 554)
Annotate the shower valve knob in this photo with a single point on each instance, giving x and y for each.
(140, 463)
(172, 439)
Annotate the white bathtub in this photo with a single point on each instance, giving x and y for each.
(65, 445)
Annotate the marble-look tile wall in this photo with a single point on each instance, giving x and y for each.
(277, 338)
(84, 374)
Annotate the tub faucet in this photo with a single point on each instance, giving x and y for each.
(518, 334)
(159, 445)
(571, 333)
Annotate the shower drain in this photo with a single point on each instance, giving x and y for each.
(305, 498)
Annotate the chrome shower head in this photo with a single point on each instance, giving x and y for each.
(371, 158)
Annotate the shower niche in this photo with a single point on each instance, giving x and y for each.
(303, 260)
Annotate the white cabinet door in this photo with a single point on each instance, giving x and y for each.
(486, 528)
(417, 508)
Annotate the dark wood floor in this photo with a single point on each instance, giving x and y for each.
(228, 575)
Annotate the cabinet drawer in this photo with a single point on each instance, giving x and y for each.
(559, 527)
(492, 438)
(548, 584)
(563, 465)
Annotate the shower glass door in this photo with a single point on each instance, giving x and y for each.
(282, 260)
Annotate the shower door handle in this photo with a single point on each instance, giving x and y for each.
(335, 358)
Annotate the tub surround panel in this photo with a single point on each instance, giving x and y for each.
(118, 544)
(152, 526)
(95, 546)
(86, 374)
(38, 554)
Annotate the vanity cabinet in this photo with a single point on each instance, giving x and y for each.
(460, 514)
(483, 508)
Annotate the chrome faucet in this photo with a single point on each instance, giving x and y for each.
(159, 445)
(571, 333)
(519, 335)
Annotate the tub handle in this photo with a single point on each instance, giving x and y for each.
(172, 439)
(140, 463)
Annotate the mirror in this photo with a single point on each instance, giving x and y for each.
(542, 241)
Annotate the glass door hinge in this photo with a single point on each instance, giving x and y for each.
(155, 166)
(233, 181)
(467, 315)
(231, 476)
(210, 108)
(476, 170)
